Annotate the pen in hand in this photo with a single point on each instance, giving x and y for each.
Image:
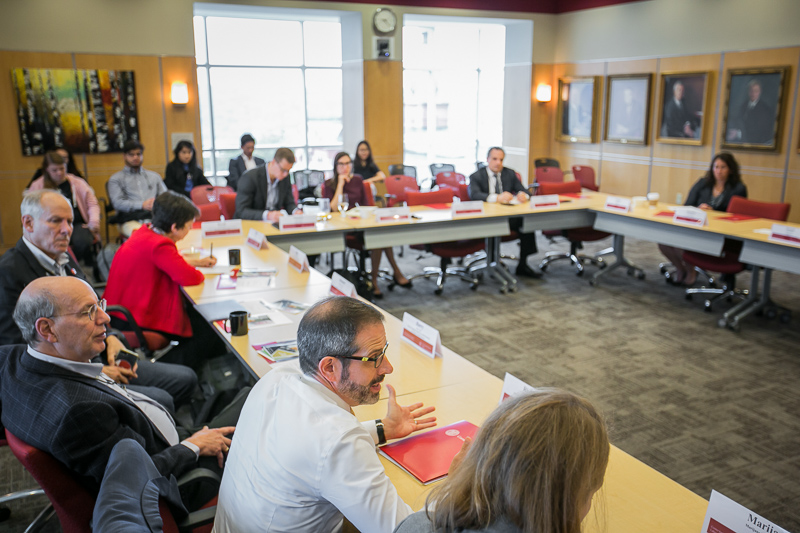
(211, 253)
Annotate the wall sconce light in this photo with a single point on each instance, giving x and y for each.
(180, 93)
(543, 92)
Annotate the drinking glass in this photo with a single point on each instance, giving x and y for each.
(344, 203)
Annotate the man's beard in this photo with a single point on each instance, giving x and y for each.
(359, 393)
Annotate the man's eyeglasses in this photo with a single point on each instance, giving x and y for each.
(91, 312)
(377, 360)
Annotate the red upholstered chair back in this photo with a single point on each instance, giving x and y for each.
(453, 179)
(209, 212)
(549, 175)
(207, 194)
(441, 196)
(772, 211)
(227, 203)
(398, 186)
(369, 196)
(70, 498)
(585, 176)
(565, 187)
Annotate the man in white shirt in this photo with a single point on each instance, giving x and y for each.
(301, 461)
(243, 163)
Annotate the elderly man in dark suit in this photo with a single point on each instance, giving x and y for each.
(264, 191)
(496, 183)
(56, 400)
(42, 251)
(243, 163)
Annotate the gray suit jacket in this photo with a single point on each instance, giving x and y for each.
(251, 197)
(236, 168)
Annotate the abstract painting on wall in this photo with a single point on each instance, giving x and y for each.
(85, 111)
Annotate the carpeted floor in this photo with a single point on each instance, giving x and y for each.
(707, 407)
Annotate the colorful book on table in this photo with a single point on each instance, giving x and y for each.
(275, 352)
(427, 456)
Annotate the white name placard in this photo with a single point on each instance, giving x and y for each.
(513, 386)
(422, 336)
(618, 204)
(463, 209)
(297, 222)
(222, 228)
(690, 216)
(298, 260)
(340, 286)
(392, 214)
(726, 516)
(546, 200)
(256, 239)
(785, 234)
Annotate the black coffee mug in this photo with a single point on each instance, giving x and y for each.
(238, 323)
(234, 257)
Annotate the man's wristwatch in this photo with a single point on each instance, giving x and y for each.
(381, 433)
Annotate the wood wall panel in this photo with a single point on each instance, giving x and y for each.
(383, 111)
(15, 169)
(542, 117)
(181, 118)
(624, 178)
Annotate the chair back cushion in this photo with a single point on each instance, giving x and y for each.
(772, 211)
(398, 185)
(209, 212)
(369, 194)
(549, 175)
(70, 498)
(450, 178)
(566, 187)
(227, 203)
(202, 194)
(585, 176)
(441, 196)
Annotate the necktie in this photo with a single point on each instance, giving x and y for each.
(497, 185)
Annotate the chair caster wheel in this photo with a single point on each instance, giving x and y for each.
(735, 327)
(593, 282)
(786, 317)
(473, 287)
(722, 323)
(640, 275)
(631, 271)
(771, 313)
(603, 265)
(543, 268)
(688, 297)
(707, 306)
(579, 273)
(438, 292)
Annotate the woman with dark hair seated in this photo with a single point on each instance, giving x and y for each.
(534, 467)
(147, 274)
(85, 208)
(182, 173)
(344, 182)
(714, 191)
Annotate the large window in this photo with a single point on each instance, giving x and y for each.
(453, 78)
(279, 80)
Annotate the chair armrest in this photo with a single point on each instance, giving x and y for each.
(133, 325)
(198, 474)
(198, 518)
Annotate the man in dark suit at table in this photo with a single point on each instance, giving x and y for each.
(265, 192)
(56, 400)
(496, 183)
(243, 163)
(41, 252)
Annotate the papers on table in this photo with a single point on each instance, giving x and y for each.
(276, 352)
(287, 306)
(726, 516)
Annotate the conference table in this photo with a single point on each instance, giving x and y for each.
(634, 496)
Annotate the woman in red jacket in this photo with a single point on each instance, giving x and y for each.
(148, 272)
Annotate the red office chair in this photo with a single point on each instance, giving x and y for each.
(447, 250)
(208, 194)
(549, 175)
(575, 236)
(397, 187)
(74, 502)
(450, 178)
(295, 193)
(585, 176)
(227, 203)
(149, 342)
(546, 162)
(209, 212)
(728, 264)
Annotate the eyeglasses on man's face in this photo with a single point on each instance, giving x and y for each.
(91, 312)
(377, 360)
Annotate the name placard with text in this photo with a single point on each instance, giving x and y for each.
(222, 228)
(392, 214)
(513, 386)
(545, 200)
(298, 260)
(690, 216)
(340, 286)
(297, 222)
(464, 209)
(256, 239)
(785, 234)
(726, 516)
(422, 336)
(618, 204)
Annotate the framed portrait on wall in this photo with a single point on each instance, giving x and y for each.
(753, 108)
(627, 108)
(577, 109)
(682, 109)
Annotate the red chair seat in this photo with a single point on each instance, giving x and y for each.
(453, 249)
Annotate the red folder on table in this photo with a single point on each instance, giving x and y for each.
(427, 456)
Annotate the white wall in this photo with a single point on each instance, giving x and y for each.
(676, 27)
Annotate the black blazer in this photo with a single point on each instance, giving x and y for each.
(18, 267)
(236, 169)
(76, 419)
(479, 183)
(251, 198)
(175, 177)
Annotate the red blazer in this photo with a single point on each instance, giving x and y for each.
(146, 276)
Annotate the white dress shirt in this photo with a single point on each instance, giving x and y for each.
(493, 180)
(300, 460)
(249, 162)
(53, 267)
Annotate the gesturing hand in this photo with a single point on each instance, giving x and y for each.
(402, 420)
